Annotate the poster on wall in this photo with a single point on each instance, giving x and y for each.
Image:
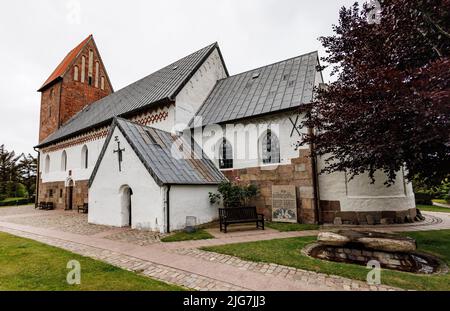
(284, 204)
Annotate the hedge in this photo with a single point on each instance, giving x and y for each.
(23, 201)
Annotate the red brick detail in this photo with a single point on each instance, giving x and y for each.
(297, 173)
(78, 140)
(70, 96)
(153, 118)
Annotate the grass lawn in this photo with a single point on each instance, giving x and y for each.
(287, 252)
(432, 208)
(11, 199)
(30, 265)
(280, 226)
(200, 234)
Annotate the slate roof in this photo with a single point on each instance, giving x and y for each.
(157, 88)
(154, 149)
(61, 69)
(280, 86)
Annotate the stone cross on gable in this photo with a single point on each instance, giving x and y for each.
(119, 152)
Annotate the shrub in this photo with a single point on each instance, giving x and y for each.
(233, 194)
(423, 198)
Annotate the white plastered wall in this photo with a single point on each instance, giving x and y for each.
(74, 162)
(192, 96)
(359, 195)
(105, 201)
(191, 200)
(246, 148)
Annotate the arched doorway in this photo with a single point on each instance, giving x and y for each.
(69, 194)
(126, 193)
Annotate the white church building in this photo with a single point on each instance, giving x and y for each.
(148, 155)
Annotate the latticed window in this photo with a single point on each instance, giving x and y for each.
(270, 147)
(225, 155)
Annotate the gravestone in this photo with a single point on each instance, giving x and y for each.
(284, 203)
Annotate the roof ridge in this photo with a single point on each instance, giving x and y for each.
(275, 63)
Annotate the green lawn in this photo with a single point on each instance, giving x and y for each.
(280, 226)
(30, 265)
(441, 201)
(11, 199)
(287, 252)
(200, 234)
(432, 208)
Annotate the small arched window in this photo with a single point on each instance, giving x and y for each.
(47, 164)
(102, 83)
(270, 148)
(97, 72)
(84, 157)
(83, 68)
(225, 154)
(64, 161)
(75, 73)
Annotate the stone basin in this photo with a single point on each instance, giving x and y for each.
(368, 239)
(360, 247)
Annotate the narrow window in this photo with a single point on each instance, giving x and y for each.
(75, 73)
(225, 155)
(91, 63)
(270, 147)
(60, 193)
(102, 83)
(47, 164)
(64, 161)
(83, 69)
(84, 157)
(50, 193)
(97, 72)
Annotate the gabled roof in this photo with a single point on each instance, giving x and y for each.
(280, 86)
(65, 64)
(154, 149)
(156, 89)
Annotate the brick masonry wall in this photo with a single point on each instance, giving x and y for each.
(69, 96)
(297, 173)
(331, 212)
(57, 193)
(75, 94)
(49, 116)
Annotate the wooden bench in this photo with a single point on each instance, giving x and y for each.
(83, 208)
(46, 205)
(237, 215)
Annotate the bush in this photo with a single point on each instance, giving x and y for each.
(423, 198)
(20, 201)
(233, 195)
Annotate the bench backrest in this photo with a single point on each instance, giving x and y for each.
(238, 213)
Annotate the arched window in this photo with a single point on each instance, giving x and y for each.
(83, 68)
(75, 73)
(97, 72)
(270, 148)
(84, 157)
(225, 154)
(64, 161)
(47, 164)
(102, 83)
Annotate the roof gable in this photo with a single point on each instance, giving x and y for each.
(155, 89)
(154, 148)
(62, 68)
(276, 87)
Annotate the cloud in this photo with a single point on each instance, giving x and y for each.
(136, 38)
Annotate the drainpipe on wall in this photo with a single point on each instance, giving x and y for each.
(167, 203)
(38, 165)
(315, 183)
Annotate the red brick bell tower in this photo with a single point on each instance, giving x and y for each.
(79, 80)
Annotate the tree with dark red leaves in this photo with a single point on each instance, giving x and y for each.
(390, 105)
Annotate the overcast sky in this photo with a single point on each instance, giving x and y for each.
(136, 38)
